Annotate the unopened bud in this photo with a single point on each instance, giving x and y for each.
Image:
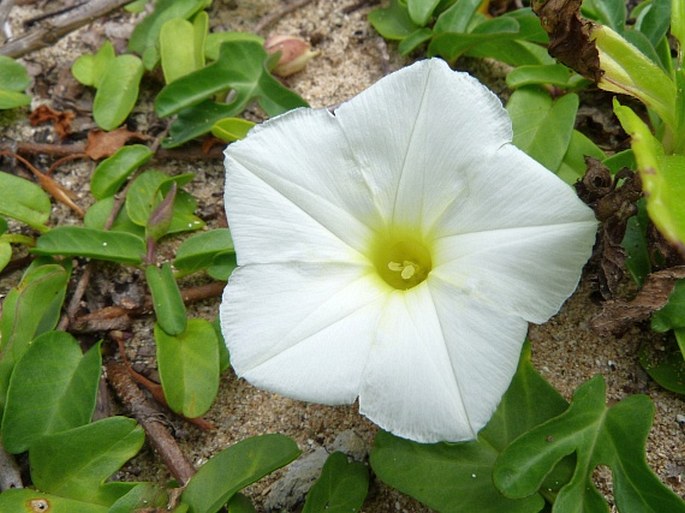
(295, 52)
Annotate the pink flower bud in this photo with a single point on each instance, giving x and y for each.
(295, 52)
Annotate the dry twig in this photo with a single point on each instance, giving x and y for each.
(151, 420)
(51, 30)
(273, 17)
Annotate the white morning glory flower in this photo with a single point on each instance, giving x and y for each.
(395, 251)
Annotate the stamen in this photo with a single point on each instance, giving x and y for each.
(407, 268)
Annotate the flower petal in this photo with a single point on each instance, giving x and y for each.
(416, 131)
(303, 178)
(302, 330)
(519, 244)
(440, 364)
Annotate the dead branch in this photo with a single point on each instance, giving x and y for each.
(273, 17)
(51, 30)
(151, 419)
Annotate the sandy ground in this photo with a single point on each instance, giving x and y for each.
(352, 57)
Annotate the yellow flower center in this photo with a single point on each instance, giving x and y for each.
(402, 263)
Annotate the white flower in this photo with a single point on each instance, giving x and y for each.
(395, 251)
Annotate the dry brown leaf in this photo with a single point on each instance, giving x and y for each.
(61, 121)
(103, 144)
(569, 35)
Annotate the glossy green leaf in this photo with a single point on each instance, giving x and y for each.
(189, 367)
(663, 182)
(166, 299)
(117, 92)
(76, 462)
(145, 193)
(573, 165)
(27, 500)
(666, 365)
(607, 12)
(341, 488)
(177, 49)
(13, 80)
(452, 45)
(672, 315)
(5, 254)
(628, 71)
(421, 10)
(542, 127)
(200, 33)
(235, 468)
(514, 52)
(142, 497)
(457, 18)
(111, 173)
(28, 203)
(216, 39)
(239, 503)
(90, 68)
(638, 260)
(224, 358)
(412, 41)
(184, 218)
(393, 22)
(222, 266)
(240, 68)
(52, 388)
(678, 26)
(458, 477)
(198, 251)
(78, 241)
(555, 74)
(231, 129)
(99, 212)
(146, 33)
(31, 308)
(598, 435)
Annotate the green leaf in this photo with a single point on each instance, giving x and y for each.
(458, 477)
(239, 503)
(341, 488)
(607, 12)
(420, 10)
(27, 500)
(416, 38)
(663, 182)
(393, 22)
(555, 74)
(235, 468)
(224, 358)
(166, 299)
(31, 308)
(666, 365)
(231, 129)
(216, 39)
(514, 52)
(13, 76)
(573, 166)
(90, 68)
(76, 462)
(77, 241)
(452, 45)
(13, 80)
(638, 261)
(117, 92)
(28, 203)
(222, 266)
(5, 254)
(598, 435)
(198, 251)
(177, 49)
(542, 127)
(141, 497)
(98, 213)
(52, 388)
(111, 173)
(240, 67)
(672, 315)
(189, 367)
(146, 33)
(457, 18)
(146, 192)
